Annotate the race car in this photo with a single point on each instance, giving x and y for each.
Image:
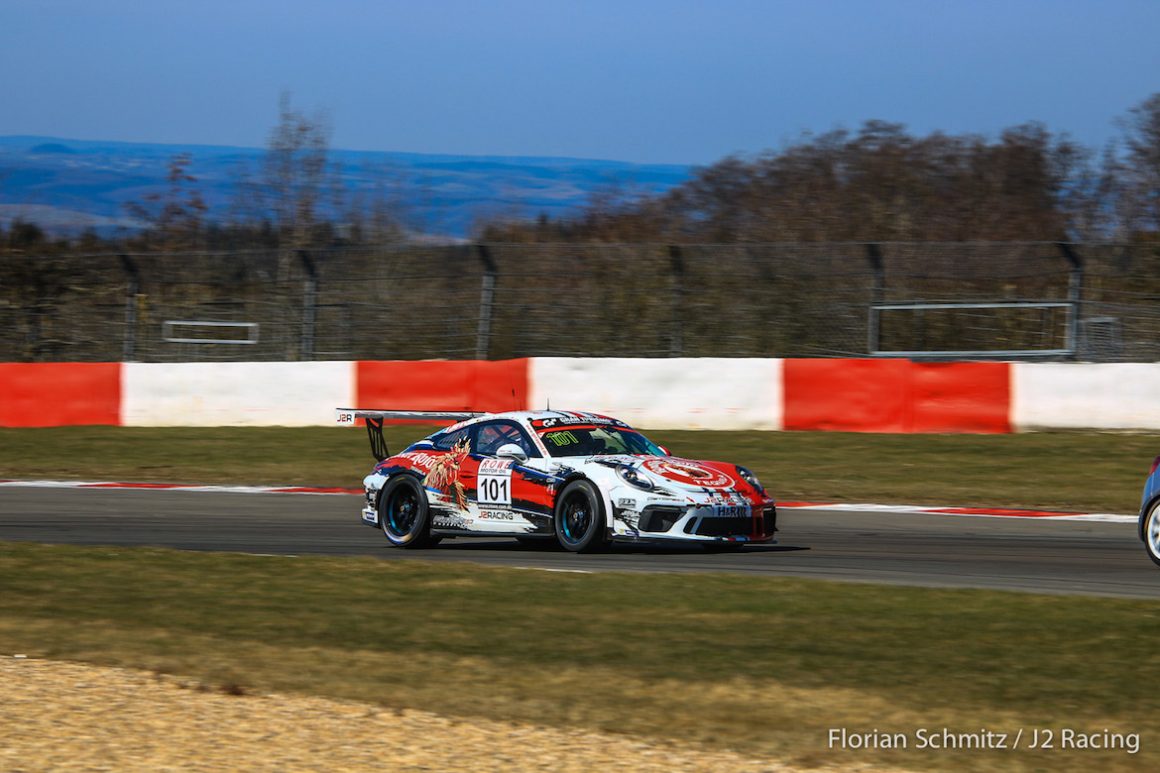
(582, 479)
(1150, 513)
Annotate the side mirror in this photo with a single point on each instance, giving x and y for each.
(665, 451)
(512, 451)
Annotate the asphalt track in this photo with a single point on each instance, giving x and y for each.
(1037, 555)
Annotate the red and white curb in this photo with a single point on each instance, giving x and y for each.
(971, 512)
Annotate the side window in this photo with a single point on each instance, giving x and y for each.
(499, 433)
(446, 440)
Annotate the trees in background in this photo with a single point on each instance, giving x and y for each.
(883, 184)
(175, 217)
(23, 236)
(296, 175)
(878, 183)
(295, 199)
(1139, 170)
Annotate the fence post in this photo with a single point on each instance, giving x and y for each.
(877, 291)
(486, 301)
(677, 300)
(309, 306)
(1074, 295)
(129, 348)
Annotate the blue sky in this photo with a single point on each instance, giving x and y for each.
(633, 80)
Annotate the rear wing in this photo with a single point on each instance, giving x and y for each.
(374, 420)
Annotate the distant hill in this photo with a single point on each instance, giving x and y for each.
(69, 185)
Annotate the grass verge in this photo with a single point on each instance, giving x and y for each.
(1063, 470)
(765, 666)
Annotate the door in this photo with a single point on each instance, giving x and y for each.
(509, 496)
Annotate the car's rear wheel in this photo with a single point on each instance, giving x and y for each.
(1152, 532)
(404, 514)
(579, 518)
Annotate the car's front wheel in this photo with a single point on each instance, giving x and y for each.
(1152, 532)
(404, 514)
(579, 518)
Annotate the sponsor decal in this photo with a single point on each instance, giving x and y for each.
(689, 473)
(566, 421)
(424, 460)
(447, 521)
(495, 482)
(496, 515)
(495, 466)
(731, 511)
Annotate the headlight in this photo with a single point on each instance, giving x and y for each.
(630, 476)
(749, 478)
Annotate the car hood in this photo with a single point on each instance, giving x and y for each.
(673, 471)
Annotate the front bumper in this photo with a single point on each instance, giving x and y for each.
(698, 523)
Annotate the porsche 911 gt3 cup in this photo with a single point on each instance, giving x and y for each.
(580, 478)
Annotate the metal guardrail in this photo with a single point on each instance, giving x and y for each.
(170, 325)
(493, 301)
(1053, 343)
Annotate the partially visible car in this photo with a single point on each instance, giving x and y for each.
(579, 478)
(1150, 513)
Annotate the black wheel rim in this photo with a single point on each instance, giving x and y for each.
(402, 511)
(577, 517)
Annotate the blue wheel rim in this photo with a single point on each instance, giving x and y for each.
(577, 517)
(402, 511)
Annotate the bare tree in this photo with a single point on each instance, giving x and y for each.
(295, 176)
(175, 216)
(376, 211)
(1139, 209)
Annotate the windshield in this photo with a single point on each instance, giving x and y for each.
(590, 440)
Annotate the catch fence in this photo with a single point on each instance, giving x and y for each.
(1096, 302)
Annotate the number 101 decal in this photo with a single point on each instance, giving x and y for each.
(495, 482)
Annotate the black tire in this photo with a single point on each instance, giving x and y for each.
(404, 515)
(1150, 530)
(579, 518)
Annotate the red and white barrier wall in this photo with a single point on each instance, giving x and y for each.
(1080, 395)
(858, 395)
(707, 393)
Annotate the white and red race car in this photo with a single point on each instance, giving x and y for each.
(580, 478)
